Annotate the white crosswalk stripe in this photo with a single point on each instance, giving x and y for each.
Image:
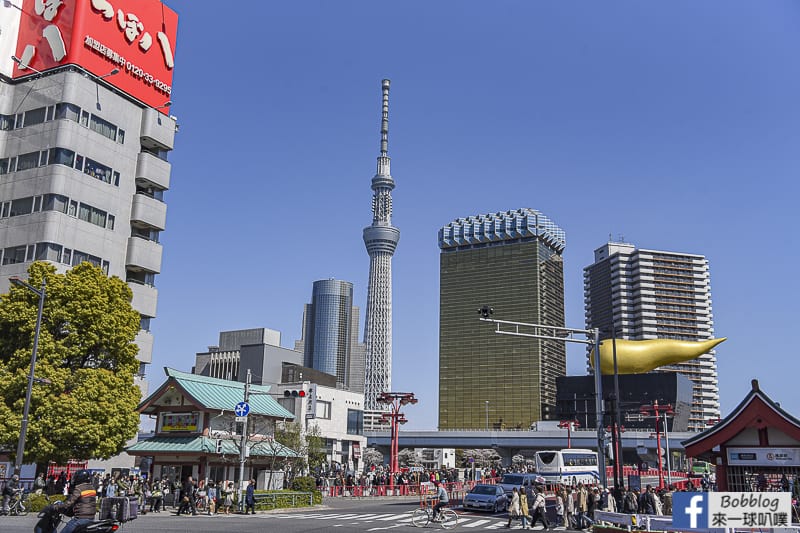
(396, 516)
(338, 516)
(370, 516)
(473, 524)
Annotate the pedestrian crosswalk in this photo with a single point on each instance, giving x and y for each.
(468, 521)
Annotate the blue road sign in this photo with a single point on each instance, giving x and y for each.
(241, 409)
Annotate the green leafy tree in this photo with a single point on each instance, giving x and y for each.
(289, 434)
(315, 450)
(86, 407)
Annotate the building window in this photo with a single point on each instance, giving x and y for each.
(355, 422)
(22, 206)
(323, 410)
(103, 127)
(6, 122)
(62, 156)
(97, 170)
(35, 116)
(68, 111)
(47, 251)
(27, 161)
(14, 255)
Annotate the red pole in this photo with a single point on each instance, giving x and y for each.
(569, 435)
(393, 452)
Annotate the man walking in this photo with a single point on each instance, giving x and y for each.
(539, 510)
(250, 497)
(187, 499)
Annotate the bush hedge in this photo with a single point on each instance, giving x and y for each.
(283, 498)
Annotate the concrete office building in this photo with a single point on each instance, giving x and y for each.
(512, 262)
(84, 139)
(381, 240)
(258, 350)
(330, 334)
(653, 294)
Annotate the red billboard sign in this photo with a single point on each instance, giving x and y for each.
(134, 37)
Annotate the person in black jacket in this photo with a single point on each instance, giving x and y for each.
(187, 498)
(81, 503)
(647, 501)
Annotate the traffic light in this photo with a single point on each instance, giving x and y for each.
(294, 393)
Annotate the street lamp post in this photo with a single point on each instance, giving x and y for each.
(31, 376)
(487, 415)
(657, 410)
(666, 439)
(395, 400)
(569, 424)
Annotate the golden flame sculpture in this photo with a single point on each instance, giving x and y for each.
(638, 357)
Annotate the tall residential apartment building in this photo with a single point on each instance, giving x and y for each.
(512, 262)
(330, 334)
(653, 294)
(381, 240)
(84, 139)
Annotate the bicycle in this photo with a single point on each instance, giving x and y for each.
(19, 504)
(447, 519)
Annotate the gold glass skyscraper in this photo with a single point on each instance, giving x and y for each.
(512, 262)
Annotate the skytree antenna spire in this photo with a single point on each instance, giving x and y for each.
(381, 240)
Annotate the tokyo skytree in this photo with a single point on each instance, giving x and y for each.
(381, 240)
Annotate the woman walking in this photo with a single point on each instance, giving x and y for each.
(523, 507)
(513, 509)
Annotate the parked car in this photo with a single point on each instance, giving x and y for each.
(486, 498)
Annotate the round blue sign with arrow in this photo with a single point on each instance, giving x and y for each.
(241, 409)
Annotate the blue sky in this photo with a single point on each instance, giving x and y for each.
(674, 124)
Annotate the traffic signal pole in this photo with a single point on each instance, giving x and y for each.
(243, 447)
(542, 331)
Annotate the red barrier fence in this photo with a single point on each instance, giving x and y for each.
(458, 489)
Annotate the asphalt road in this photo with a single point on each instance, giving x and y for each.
(336, 514)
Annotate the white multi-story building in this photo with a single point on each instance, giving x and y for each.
(653, 294)
(84, 139)
(338, 416)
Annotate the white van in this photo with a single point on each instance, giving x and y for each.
(518, 479)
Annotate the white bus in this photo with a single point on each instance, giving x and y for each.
(569, 467)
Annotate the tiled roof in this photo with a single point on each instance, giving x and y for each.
(208, 445)
(223, 395)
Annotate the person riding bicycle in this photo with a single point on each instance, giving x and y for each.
(10, 491)
(81, 504)
(443, 498)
